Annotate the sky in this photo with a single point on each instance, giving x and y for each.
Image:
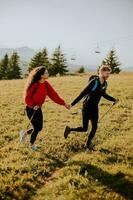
(79, 26)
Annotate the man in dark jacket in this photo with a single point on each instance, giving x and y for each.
(92, 95)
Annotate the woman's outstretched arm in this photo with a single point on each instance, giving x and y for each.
(54, 95)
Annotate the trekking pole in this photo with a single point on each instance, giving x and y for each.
(30, 120)
(22, 132)
(106, 112)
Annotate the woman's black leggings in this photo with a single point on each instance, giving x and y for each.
(88, 113)
(37, 122)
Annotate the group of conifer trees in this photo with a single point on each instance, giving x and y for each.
(56, 64)
(9, 67)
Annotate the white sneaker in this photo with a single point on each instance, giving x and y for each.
(22, 136)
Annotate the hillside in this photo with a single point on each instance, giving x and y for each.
(25, 53)
(62, 170)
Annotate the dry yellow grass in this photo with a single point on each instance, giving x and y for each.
(61, 170)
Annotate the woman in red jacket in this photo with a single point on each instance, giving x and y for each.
(37, 88)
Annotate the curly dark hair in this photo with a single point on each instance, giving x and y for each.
(33, 77)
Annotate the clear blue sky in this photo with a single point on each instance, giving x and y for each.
(78, 25)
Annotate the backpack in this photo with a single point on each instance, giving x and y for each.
(92, 77)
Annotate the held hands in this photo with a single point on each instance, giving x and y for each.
(67, 106)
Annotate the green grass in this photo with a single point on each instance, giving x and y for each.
(61, 170)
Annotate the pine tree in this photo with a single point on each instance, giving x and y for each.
(112, 62)
(36, 61)
(14, 71)
(58, 65)
(45, 58)
(3, 67)
(40, 59)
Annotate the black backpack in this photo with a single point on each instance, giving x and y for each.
(92, 77)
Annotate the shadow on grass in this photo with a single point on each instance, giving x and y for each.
(55, 162)
(29, 186)
(116, 157)
(115, 182)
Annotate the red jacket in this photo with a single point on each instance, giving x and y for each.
(37, 93)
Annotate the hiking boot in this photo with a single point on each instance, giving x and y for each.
(33, 147)
(90, 147)
(66, 132)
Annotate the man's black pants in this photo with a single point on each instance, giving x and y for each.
(88, 113)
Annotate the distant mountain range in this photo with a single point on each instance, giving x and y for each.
(127, 69)
(27, 53)
(75, 67)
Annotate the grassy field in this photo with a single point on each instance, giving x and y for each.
(61, 170)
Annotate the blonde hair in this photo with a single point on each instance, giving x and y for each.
(104, 68)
